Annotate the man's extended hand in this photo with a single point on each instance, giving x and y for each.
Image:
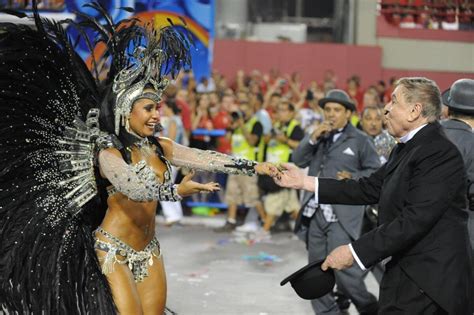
(292, 177)
(340, 258)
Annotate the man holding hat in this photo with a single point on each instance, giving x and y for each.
(338, 150)
(459, 128)
(421, 191)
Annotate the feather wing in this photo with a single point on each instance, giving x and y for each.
(47, 260)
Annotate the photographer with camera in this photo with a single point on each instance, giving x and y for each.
(285, 136)
(247, 142)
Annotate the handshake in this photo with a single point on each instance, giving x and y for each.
(286, 175)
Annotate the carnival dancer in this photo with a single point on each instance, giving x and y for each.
(76, 152)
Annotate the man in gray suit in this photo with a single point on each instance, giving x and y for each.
(336, 149)
(459, 129)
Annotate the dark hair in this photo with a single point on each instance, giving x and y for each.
(276, 94)
(107, 116)
(171, 103)
(291, 107)
(458, 114)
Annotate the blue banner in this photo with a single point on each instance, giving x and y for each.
(197, 14)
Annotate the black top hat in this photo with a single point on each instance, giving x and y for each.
(337, 96)
(460, 97)
(311, 282)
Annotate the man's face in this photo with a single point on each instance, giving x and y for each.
(242, 97)
(337, 114)
(284, 113)
(227, 102)
(274, 100)
(397, 114)
(182, 95)
(246, 110)
(213, 98)
(371, 122)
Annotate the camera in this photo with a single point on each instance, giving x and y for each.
(236, 115)
(309, 95)
(275, 132)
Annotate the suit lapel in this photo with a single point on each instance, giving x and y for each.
(338, 142)
(431, 131)
(394, 161)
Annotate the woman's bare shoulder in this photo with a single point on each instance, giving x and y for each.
(167, 145)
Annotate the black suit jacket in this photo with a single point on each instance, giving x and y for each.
(421, 194)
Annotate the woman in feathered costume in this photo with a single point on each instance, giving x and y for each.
(73, 148)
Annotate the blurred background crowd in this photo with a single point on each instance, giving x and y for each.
(277, 108)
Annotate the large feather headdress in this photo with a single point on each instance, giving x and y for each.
(138, 56)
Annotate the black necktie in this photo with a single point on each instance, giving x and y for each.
(396, 151)
(329, 138)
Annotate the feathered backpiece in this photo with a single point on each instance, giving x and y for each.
(138, 56)
(49, 109)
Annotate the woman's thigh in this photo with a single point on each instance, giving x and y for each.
(152, 290)
(124, 289)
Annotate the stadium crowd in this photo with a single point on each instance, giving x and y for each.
(262, 116)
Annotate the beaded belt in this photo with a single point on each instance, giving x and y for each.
(138, 261)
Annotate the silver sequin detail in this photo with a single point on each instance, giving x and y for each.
(146, 69)
(78, 159)
(147, 188)
(138, 261)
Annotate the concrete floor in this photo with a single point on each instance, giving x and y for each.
(211, 273)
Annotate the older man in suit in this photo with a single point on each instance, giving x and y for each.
(338, 150)
(421, 192)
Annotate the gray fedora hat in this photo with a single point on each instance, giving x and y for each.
(460, 97)
(337, 96)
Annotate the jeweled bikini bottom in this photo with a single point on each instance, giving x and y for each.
(138, 261)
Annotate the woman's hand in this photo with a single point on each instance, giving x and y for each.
(266, 168)
(188, 187)
(343, 175)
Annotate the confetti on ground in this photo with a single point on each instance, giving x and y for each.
(262, 257)
(224, 241)
(243, 240)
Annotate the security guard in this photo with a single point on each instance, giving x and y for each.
(247, 142)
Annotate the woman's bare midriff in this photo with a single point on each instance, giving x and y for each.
(130, 221)
(133, 222)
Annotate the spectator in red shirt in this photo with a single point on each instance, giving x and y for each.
(381, 87)
(222, 120)
(183, 104)
(388, 93)
(371, 98)
(201, 119)
(354, 91)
